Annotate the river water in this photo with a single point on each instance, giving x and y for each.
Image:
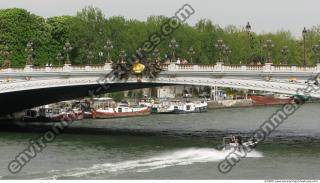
(170, 147)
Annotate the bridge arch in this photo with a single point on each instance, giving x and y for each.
(26, 88)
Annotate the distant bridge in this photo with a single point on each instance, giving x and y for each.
(22, 88)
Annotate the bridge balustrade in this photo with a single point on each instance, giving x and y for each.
(219, 67)
(231, 67)
(282, 68)
(97, 67)
(184, 67)
(56, 69)
(78, 68)
(39, 69)
(164, 66)
(254, 67)
(206, 67)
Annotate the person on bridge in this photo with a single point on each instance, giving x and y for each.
(178, 61)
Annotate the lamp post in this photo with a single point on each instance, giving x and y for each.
(90, 56)
(304, 34)
(59, 57)
(284, 52)
(67, 48)
(29, 51)
(220, 46)
(173, 45)
(227, 51)
(100, 54)
(191, 52)
(248, 30)
(108, 47)
(122, 55)
(6, 54)
(268, 45)
(156, 54)
(316, 51)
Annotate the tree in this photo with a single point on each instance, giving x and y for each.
(17, 28)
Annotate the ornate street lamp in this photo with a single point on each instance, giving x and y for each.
(156, 55)
(316, 51)
(220, 46)
(191, 52)
(248, 30)
(59, 57)
(304, 35)
(173, 45)
(29, 51)
(248, 27)
(268, 45)
(108, 47)
(6, 55)
(227, 52)
(122, 55)
(284, 52)
(100, 54)
(67, 48)
(90, 56)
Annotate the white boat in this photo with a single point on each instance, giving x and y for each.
(120, 111)
(190, 107)
(177, 107)
(49, 114)
(163, 108)
(235, 142)
(146, 102)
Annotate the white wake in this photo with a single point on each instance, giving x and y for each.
(180, 157)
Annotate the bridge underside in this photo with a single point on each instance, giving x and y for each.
(22, 94)
(20, 100)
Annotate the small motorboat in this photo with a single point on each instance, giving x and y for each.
(236, 141)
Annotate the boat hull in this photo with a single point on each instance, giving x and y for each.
(106, 115)
(196, 110)
(57, 118)
(264, 100)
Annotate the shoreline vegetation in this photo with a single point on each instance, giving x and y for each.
(89, 29)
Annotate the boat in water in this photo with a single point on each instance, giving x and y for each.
(146, 102)
(235, 142)
(271, 99)
(178, 107)
(162, 108)
(50, 114)
(79, 114)
(190, 107)
(107, 108)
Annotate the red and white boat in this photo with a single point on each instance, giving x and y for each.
(120, 111)
(79, 114)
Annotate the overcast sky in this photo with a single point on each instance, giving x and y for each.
(264, 15)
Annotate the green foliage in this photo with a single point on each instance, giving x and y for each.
(17, 27)
(90, 29)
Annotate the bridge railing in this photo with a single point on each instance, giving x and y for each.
(253, 67)
(218, 67)
(238, 68)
